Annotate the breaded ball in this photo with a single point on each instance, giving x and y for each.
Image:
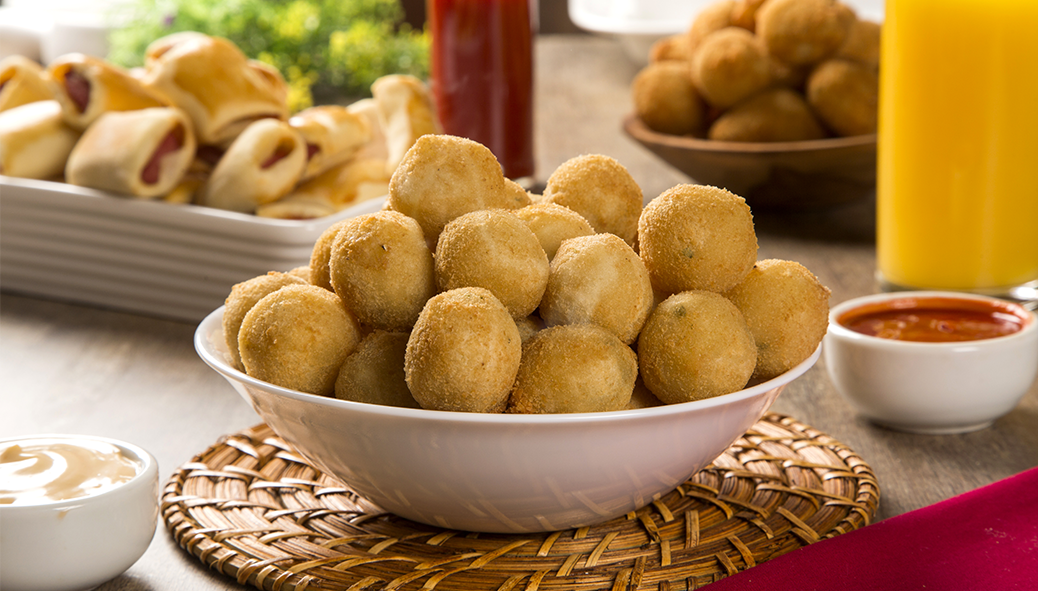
(671, 48)
(516, 194)
(298, 337)
(374, 373)
(464, 352)
(642, 397)
(712, 17)
(495, 250)
(302, 272)
(598, 280)
(442, 177)
(729, 66)
(242, 298)
(775, 115)
(803, 31)
(575, 368)
(666, 100)
(322, 253)
(862, 44)
(697, 237)
(744, 14)
(600, 189)
(787, 310)
(553, 223)
(845, 96)
(695, 345)
(382, 269)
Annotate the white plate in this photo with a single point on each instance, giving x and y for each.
(174, 261)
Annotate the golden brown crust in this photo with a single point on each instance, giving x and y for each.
(332, 133)
(802, 32)
(845, 96)
(374, 373)
(774, 115)
(111, 88)
(600, 189)
(242, 298)
(696, 345)
(406, 112)
(575, 368)
(730, 65)
(23, 81)
(464, 353)
(666, 99)
(552, 223)
(35, 141)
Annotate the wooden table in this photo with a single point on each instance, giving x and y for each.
(73, 369)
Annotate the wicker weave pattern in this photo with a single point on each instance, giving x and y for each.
(251, 508)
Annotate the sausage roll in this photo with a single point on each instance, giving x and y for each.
(407, 113)
(143, 153)
(332, 134)
(22, 81)
(214, 83)
(88, 87)
(262, 165)
(35, 141)
(376, 146)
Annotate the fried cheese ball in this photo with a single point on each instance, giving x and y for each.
(696, 237)
(574, 368)
(463, 353)
(374, 373)
(803, 31)
(553, 223)
(442, 177)
(495, 250)
(787, 311)
(775, 115)
(381, 267)
(696, 345)
(744, 14)
(730, 65)
(713, 17)
(666, 100)
(671, 48)
(242, 298)
(642, 397)
(529, 326)
(320, 275)
(298, 337)
(845, 96)
(600, 189)
(598, 280)
(862, 44)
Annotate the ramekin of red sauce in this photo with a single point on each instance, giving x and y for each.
(932, 362)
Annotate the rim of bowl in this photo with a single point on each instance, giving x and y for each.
(212, 324)
(146, 460)
(634, 126)
(841, 331)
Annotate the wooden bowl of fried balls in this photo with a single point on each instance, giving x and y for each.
(775, 100)
(467, 293)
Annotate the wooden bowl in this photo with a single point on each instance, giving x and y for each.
(772, 175)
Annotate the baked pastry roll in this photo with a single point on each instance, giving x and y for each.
(22, 81)
(143, 153)
(297, 207)
(332, 133)
(406, 111)
(35, 141)
(215, 84)
(262, 165)
(88, 87)
(376, 146)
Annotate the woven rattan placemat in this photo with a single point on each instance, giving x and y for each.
(250, 507)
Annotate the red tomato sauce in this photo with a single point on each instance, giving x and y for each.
(482, 76)
(935, 320)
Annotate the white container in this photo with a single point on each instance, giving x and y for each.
(948, 387)
(79, 543)
(500, 472)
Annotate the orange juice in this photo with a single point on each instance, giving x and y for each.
(957, 186)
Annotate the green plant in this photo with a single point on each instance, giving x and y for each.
(324, 46)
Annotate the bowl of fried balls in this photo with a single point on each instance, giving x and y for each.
(480, 358)
(774, 100)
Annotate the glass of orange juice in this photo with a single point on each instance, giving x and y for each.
(957, 179)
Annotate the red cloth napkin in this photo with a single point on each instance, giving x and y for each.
(986, 539)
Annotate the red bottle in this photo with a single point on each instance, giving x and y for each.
(482, 75)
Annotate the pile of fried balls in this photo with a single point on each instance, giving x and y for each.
(468, 293)
(764, 71)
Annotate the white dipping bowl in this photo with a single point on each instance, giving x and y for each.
(79, 543)
(500, 472)
(924, 387)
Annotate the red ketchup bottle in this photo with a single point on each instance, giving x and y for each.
(482, 75)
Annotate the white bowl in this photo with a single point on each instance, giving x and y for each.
(79, 543)
(923, 387)
(500, 472)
